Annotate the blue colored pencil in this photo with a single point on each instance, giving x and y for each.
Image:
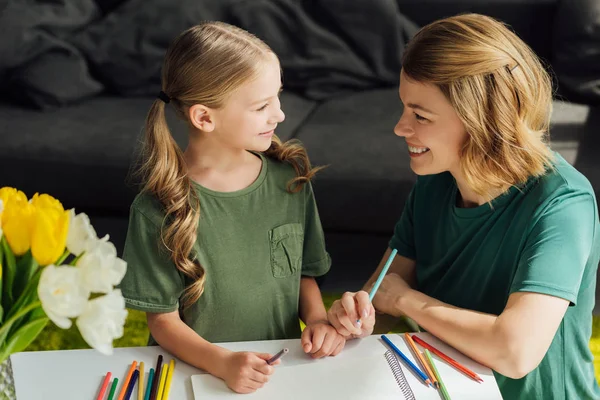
(149, 387)
(407, 360)
(134, 378)
(382, 274)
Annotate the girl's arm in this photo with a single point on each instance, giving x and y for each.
(512, 343)
(243, 372)
(177, 338)
(311, 305)
(319, 338)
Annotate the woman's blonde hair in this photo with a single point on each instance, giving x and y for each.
(500, 91)
(204, 65)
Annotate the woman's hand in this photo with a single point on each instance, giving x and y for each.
(353, 316)
(391, 290)
(321, 339)
(246, 372)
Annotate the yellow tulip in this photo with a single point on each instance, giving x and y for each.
(17, 222)
(50, 228)
(7, 193)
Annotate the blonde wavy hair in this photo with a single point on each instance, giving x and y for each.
(204, 65)
(500, 91)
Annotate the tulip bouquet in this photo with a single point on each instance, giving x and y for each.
(54, 267)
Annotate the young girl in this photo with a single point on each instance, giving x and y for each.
(498, 245)
(224, 240)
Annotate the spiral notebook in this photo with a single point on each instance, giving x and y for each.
(379, 377)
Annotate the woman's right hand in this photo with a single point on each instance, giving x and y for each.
(345, 313)
(246, 372)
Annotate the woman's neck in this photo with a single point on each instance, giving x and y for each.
(467, 198)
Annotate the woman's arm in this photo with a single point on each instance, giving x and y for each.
(344, 313)
(513, 343)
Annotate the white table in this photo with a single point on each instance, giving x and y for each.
(77, 374)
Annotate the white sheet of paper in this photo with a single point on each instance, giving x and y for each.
(364, 379)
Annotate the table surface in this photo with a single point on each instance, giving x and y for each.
(77, 374)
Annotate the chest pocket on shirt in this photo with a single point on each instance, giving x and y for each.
(286, 243)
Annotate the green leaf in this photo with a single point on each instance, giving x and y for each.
(8, 275)
(5, 328)
(24, 336)
(25, 268)
(1, 271)
(29, 294)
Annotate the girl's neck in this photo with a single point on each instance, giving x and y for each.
(203, 153)
(219, 168)
(467, 198)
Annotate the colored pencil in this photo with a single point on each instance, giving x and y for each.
(104, 386)
(163, 378)
(410, 364)
(278, 356)
(156, 378)
(131, 385)
(113, 389)
(382, 274)
(448, 359)
(442, 387)
(384, 271)
(149, 385)
(141, 382)
(419, 357)
(167, 389)
(126, 381)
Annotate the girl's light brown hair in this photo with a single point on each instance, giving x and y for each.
(204, 65)
(500, 91)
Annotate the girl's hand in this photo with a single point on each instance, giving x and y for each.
(392, 288)
(345, 313)
(320, 339)
(245, 372)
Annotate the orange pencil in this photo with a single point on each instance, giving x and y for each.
(448, 359)
(418, 354)
(126, 381)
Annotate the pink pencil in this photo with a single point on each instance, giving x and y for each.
(104, 386)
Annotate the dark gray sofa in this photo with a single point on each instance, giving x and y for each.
(82, 152)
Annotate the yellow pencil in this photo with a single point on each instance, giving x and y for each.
(161, 385)
(165, 395)
(141, 382)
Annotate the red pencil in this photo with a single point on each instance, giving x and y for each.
(104, 386)
(448, 359)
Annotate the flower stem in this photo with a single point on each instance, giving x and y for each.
(6, 326)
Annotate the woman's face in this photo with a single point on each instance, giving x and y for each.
(432, 129)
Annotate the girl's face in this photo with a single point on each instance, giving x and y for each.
(249, 117)
(432, 129)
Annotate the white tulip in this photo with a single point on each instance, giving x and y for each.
(62, 294)
(100, 267)
(102, 321)
(80, 233)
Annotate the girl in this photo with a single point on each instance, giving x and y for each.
(224, 240)
(498, 243)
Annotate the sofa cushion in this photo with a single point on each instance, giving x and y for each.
(368, 178)
(82, 153)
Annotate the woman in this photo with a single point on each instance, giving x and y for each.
(498, 244)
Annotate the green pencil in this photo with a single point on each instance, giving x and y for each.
(113, 388)
(443, 389)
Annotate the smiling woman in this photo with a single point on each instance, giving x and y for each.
(499, 242)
